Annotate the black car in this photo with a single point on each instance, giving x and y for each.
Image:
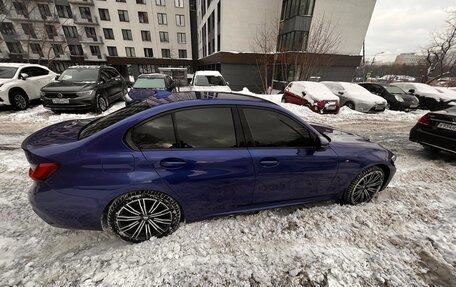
(150, 85)
(397, 98)
(436, 131)
(84, 88)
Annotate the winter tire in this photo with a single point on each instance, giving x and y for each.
(101, 103)
(351, 105)
(138, 216)
(364, 186)
(19, 100)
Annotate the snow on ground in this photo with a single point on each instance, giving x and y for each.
(404, 237)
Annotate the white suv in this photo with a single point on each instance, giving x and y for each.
(20, 83)
(211, 81)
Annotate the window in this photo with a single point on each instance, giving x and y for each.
(21, 9)
(85, 13)
(145, 35)
(160, 2)
(44, 10)
(64, 11)
(142, 16)
(104, 14)
(130, 51)
(34, 71)
(51, 31)
(76, 50)
(14, 47)
(58, 50)
(272, 129)
(70, 31)
(28, 30)
(166, 53)
(162, 19)
(205, 128)
(126, 33)
(112, 51)
(155, 134)
(123, 16)
(181, 38)
(148, 52)
(292, 8)
(7, 28)
(179, 3)
(108, 33)
(180, 21)
(182, 54)
(140, 1)
(121, 1)
(91, 33)
(164, 37)
(95, 51)
(36, 49)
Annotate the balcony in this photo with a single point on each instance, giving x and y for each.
(34, 16)
(85, 21)
(82, 2)
(86, 40)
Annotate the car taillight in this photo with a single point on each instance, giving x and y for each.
(425, 120)
(42, 171)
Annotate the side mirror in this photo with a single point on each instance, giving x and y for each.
(411, 91)
(322, 143)
(304, 94)
(172, 86)
(24, 76)
(340, 93)
(57, 77)
(227, 83)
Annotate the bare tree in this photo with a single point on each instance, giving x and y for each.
(322, 42)
(440, 54)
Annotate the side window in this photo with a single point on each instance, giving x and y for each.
(40, 71)
(155, 134)
(113, 73)
(206, 128)
(30, 71)
(104, 76)
(272, 129)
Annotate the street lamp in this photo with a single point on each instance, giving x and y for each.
(372, 63)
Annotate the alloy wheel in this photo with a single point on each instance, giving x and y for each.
(369, 184)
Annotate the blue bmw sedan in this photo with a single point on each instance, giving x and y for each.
(143, 169)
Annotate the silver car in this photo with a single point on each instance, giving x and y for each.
(356, 97)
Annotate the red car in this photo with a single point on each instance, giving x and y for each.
(314, 95)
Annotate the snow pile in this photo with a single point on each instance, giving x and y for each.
(275, 98)
(404, 237)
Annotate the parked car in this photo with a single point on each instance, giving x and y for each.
(20, 83)
(356, 97)
(149, 85)
(209, 81)
(429, 97)
(314, 95)
(84, 88)
(397, 98)
(436, 131)
(143, 169)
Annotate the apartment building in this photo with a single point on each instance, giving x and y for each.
(233, 37)
(135, 36)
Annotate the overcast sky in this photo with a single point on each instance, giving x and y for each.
(404, 26)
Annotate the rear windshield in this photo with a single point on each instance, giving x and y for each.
(201, 80)
(145, 83)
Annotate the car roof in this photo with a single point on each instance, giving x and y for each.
(207, 96)
(18, 65)
(87, 67)
(152, 76)
(207, 73)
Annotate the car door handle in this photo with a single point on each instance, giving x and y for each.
(172, 162)
(269, 162)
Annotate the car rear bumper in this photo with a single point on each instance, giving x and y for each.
(417, 134)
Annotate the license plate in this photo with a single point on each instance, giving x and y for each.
(331, 108)
(61, 101)
(413, 106)
(447, 126)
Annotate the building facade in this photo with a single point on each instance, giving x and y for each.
(135, 36)
(234, 35)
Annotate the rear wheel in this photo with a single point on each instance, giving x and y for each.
(19, 100)
(364, 186)
(140, 215)
(101, 104)
(351, 105)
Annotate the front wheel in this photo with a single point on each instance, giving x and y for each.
(19, 100)
(364, 186)
(138, 216)
(351, 105)
(101, 104)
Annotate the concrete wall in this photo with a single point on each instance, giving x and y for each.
(240, 76)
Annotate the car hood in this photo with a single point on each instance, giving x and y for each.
(66, 86)
(323, 96)
(365, 97)
(142, 94)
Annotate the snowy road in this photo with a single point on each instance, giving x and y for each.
(405, 237)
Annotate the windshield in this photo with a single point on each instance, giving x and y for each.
(79, 75)
(7, 72)
(394, 90)
(354, 88)
(144, 83)
(202, 80)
